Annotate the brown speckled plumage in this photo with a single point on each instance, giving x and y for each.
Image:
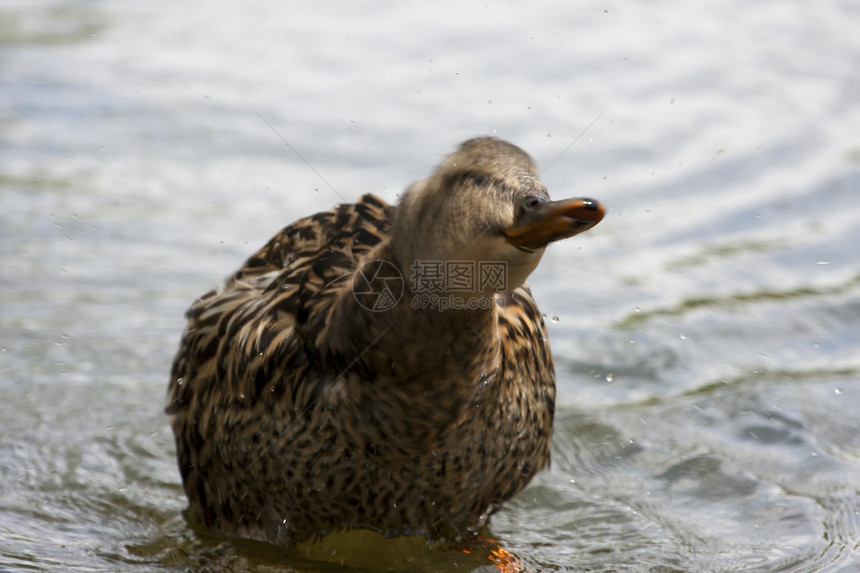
(298, 412)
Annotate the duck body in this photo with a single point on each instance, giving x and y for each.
(300, 410)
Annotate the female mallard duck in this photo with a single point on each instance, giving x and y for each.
(378, 367)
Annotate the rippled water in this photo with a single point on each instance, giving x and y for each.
(706, 333)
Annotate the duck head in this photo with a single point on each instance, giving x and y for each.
(485, 203)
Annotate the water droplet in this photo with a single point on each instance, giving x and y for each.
(823, 262)
(610, 377)
(838, 391)
(683, 337)
(555, 319)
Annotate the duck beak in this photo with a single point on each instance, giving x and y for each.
(553, 221)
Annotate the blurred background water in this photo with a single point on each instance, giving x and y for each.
(706, 333)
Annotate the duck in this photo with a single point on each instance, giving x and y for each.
(378, 367)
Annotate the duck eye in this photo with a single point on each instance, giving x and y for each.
(529, 203)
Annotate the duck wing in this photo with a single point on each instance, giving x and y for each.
(245, 338)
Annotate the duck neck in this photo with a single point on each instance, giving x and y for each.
(434, 339)
(411, 371)
(386, 327)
